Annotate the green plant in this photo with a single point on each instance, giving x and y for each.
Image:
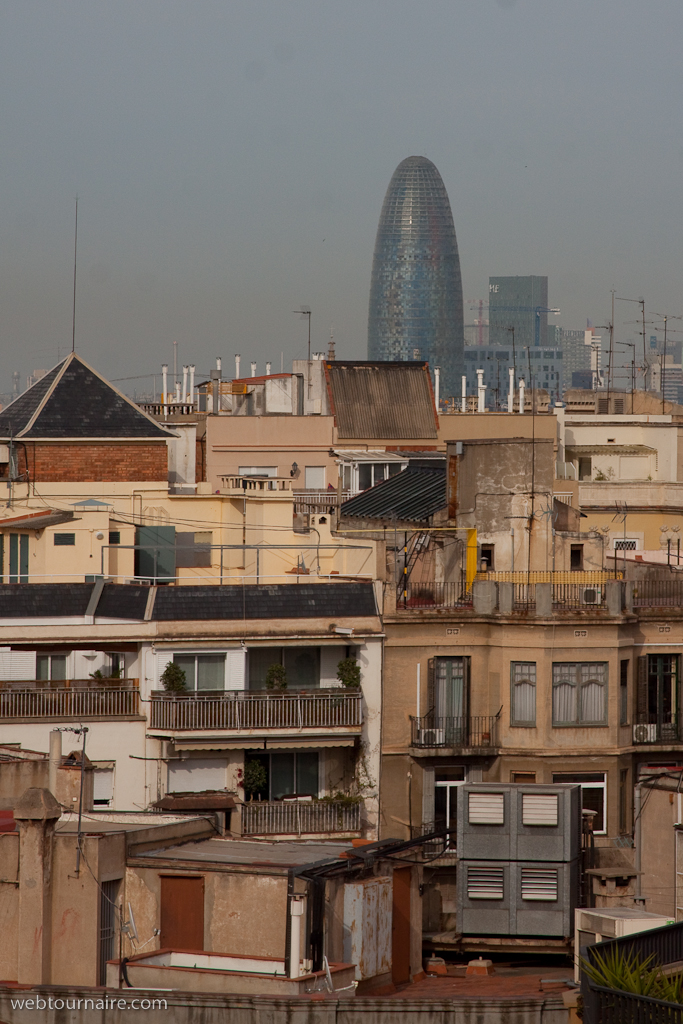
(348, 673)
(173, 677)
(345, 799)
(276, 677)
(255, 779)
(97, 674)
(627, 972)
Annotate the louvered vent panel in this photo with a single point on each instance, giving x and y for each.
(539, 884)
(485, 883)
(486, 809)
(539, 809)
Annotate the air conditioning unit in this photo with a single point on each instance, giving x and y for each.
(644, 733)
(591, 596)
(431, 737)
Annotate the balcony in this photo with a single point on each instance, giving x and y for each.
(296, 818)
(648, 729)
(335, 714)
(475, 734)
(433, 595)
(75, 700)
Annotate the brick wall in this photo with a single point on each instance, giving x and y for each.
(92, 461)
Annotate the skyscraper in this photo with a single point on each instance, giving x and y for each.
(416, 308)
(522, 303)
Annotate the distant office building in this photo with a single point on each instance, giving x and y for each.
(520, 303)
(477, 334)
(495, 360)
(576, 355)
(416, 306)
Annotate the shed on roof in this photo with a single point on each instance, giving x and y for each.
(382, 400)
(74, 401)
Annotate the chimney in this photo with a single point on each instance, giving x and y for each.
(511, 389)
(481, 392)
(437, 372)
(219, 366)
(238, 360)
(55, 760)
(36, 813)
(164, 383)
(184, 383)
(463, 400)
(192, 369)
(521, 394)
(253, 369)
(268, 367)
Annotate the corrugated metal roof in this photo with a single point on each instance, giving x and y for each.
(610, 449)
(415, 494)
(387, 400)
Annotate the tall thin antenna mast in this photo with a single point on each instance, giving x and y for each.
(73, 319)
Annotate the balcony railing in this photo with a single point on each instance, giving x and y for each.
(590, 596)
(320, 502)
(431, 731)
(71, 704)
(651, 729)
(658, 594)
(433, 595)
(294, 817)
(240, 711)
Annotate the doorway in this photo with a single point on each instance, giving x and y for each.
(400, 927)
(182, 912)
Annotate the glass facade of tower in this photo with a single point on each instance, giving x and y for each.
(416, 307)
(520, 303)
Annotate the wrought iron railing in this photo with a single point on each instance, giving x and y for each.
(320, 502)
(298, 817)
(464, 733)
(613, 1006)
(588, 596)
(71, 704)
(238, 711)
(656, 729)
(658, 594)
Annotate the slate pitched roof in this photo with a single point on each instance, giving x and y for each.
(416, 494)
(382, 400)
(43, 600)
(74, 401)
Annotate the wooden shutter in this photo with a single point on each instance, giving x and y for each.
(431, 690)
(641, 691)
(182, 913)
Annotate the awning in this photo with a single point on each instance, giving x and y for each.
(246, 743)
(609, 449)
(36, 520)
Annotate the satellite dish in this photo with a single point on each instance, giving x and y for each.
(131, 924)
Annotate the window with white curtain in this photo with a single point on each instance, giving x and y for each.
(523, 695)
(580, 693)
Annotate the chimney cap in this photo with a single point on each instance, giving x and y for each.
(37, 805)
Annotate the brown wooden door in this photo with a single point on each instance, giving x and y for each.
(182, 913)
(400, 927)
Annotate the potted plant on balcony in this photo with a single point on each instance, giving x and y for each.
(254, 779)
(348, 673)
(174, 679)
(276, 678)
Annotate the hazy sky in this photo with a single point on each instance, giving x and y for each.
(231, 159)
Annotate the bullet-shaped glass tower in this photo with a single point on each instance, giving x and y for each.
(416, 308)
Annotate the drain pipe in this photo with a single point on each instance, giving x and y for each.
(296, 911)
(637, 808)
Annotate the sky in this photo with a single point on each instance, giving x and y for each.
(230, 161)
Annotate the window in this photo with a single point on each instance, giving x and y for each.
(486, 809)
(623, 800)
(302, 665)
(623, 692)
(197, 774)
(627, 544)
(371, 473)
(109, 892)
(65, 540)
(485, 883)
(580, 693)
(523, 696)
(18, 558)
(314, 478)
(658, 694)
(593, 794)
(114, 536)
(528, 778)
(257, 471)
(288, 773)
(202, 671)
(576, 558)
(539, 884)
(486, 561)
(539, 809)
(103, 785)
(585, 469)
(50, 666)
(447, 783)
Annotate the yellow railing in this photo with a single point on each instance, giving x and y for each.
(564, 576)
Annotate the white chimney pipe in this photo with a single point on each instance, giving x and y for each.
(192, 383)
(184, 383)
(177, 391)
(296, 911)
(481, 392)
(219, 365)
(164, 383)
(464, 395)
(511, 389)
(253, 369)
(268, 366)
(238, 360)
(437, 373)
(521, 394)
